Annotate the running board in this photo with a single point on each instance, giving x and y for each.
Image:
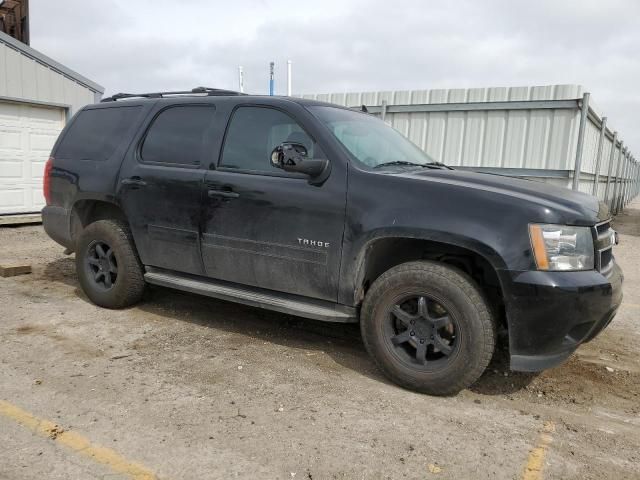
(255, 297)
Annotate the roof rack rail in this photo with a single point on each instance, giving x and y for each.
(209, 92)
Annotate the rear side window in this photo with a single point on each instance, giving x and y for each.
(179, 135)
(96, 133)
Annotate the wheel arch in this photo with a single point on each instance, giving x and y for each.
(87, 211)
(479, 261)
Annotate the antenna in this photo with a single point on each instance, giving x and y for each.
(288, 78)
(271, 81)
(240, 79)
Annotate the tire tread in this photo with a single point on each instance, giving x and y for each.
(129, 264)
(460, 280)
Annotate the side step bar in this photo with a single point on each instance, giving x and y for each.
(255, 297)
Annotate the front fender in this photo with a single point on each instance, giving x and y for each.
(487, 223)
(356, 254)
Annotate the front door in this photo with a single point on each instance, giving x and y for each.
(161, 185)
(265, 227)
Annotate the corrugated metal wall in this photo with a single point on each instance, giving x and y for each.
(512, 139)
(24, 78)
(524, 131)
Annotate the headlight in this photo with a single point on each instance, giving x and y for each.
(559, 247)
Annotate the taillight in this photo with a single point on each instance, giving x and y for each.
(46, 181)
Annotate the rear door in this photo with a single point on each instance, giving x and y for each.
(265, 227)
(160, 185)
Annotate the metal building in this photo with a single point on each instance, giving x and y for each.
(550, 133)
(37, 97)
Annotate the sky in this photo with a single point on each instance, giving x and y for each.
(352, 45)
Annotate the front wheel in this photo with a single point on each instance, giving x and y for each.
(428, 327)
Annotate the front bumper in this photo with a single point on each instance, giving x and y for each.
(550, 314)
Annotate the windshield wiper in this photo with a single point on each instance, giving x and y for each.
(437, 165)
(412, 164)
(399, 162)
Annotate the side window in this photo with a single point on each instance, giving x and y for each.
(96, 133)
(254, 132)
(178, 135)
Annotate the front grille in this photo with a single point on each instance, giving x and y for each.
(604, 236)
(603, 227)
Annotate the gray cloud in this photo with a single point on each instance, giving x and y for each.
(352, 46)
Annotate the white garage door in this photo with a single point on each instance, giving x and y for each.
(27, 134)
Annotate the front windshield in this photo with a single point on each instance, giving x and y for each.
(371, 141)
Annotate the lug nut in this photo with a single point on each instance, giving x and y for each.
(412, 333)
(422, 340)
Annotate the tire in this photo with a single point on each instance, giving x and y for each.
(120, 263)
(460, 342)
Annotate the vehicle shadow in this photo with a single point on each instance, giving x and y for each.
(498, 379)
(62, 270)
(341, 342)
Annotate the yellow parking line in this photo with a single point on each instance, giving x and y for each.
(535, 462)
(75, 442)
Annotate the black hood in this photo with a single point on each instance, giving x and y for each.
(581, 206)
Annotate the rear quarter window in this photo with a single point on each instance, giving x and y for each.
(96, 133)
(179, 135)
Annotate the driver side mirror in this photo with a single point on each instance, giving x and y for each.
(294, 157)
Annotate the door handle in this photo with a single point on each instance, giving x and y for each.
(223, 194)
(137, 181)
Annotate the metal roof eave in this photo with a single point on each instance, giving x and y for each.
(49, 62)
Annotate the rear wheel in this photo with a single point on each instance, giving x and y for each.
(428, 327)
(108, 266)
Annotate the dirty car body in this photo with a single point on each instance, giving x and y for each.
(310, 226)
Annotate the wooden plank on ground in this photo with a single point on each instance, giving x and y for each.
(23, 219)
(12, 269)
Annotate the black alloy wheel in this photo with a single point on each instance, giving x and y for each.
(102, 265)
(421, 332)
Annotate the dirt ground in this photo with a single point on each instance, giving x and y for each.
(189, 387)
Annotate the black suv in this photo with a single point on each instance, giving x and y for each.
(325, 212)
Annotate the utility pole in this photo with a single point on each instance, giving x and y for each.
(241, 79)
(271, 78)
